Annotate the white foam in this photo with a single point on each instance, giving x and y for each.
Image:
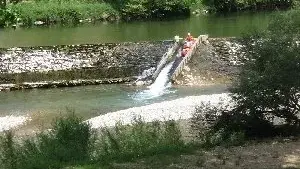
(9, 122)
(159, 87)
(182, 108)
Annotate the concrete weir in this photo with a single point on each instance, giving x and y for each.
(92, 64)
(73, 65)
(178, 62)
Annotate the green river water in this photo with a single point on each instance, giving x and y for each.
(214, 26)
(91, 101)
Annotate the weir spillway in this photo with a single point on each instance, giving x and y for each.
(175, 62)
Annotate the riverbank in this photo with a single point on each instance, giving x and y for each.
(29, 13)
(62, 12)
(273, 154)
(179, 109)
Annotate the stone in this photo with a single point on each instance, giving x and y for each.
(38, 22)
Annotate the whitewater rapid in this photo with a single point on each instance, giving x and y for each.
(159, 87)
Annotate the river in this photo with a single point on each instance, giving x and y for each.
(215, 26)
(91, 101)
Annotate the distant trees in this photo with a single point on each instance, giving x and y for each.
(138, 9)
(223, 6)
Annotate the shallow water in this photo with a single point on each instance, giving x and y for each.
(90, 101)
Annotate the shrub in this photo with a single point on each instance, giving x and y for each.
(139, 9)
(265, 90)
(125, 143)
(267, 85)
(67, 143)
(215, 125)
(72, 142)
(8, 156)
(7, 17)
(62, 12)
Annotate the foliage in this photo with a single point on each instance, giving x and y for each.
(142, 139)
(67, 143)
(138, 9)
(62, 12)
(7, 17)
(296, 5)
(267, 85)
(210, 126)
(74, 11)
(8, 156)
(223, 6)
(72, 142)
(266, 94)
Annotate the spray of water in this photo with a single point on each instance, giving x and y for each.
(159, 87)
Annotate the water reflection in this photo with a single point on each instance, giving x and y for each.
(215, 26)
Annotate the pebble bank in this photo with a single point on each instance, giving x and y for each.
(178, 109)
(9, 122)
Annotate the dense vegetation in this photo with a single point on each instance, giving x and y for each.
(76, 11)
(138, 9)
(27, 13)
(223, 6)
(62, 12)
(266, 94)
(72, 142)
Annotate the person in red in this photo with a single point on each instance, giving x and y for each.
(189, 37)
(184, 52)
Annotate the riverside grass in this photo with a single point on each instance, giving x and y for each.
(27, 13)
(72, 142)
(63, 12)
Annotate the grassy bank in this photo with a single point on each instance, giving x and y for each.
(63, 12)
(76, 11)
(28, 13)
(72, 142)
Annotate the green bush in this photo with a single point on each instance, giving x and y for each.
(7, 17)
(267, 88)
(125, 143)
(8, 156)
(267, 85)
(215, 126)
(67, 143)
(72, 142)
(139, 9)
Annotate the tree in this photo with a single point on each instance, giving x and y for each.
(269, 84)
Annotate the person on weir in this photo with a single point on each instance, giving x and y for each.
(189, 37)
(187, 44)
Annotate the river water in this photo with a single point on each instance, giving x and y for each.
(215, 26)
(90, 101)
